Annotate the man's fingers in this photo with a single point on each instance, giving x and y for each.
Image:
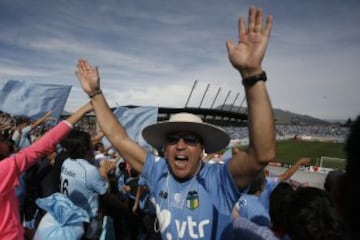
(259, 20)
(230, 46)
(251, 19)
(242, 28)
(78, 75)
(268, 26)
(84, 65)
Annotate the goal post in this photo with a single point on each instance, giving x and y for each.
(331, 162)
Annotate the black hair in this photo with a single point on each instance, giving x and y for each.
(278, 200)
(331, 179)
(7, 147)
(77, 144)
(352, 149)
(21, 120)
(310, 214)
(98, 145)
(257, 183)
(351, 186)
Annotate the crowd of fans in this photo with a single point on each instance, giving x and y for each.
(60, 183)
(116, 196)
(330, 132)
(126, 198)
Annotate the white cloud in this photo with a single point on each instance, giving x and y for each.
(151, 52)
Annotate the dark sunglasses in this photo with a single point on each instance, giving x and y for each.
(189, 138)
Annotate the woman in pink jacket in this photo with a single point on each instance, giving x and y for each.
(12, 166)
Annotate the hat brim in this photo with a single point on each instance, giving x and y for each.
(214, 138)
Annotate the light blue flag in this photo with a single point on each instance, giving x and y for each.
(32, 99)
(63, 220)
(134, 120)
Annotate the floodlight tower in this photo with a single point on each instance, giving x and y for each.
(237, 95)
(192, 89)
(217, 94)
(202, 99)
(226, 98)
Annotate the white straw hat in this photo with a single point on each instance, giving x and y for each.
(214, 138)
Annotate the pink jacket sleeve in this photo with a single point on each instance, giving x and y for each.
(13, 166)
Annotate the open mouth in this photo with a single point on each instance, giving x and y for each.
(181, 158)
(181, 161)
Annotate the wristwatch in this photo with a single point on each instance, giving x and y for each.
(250, 81)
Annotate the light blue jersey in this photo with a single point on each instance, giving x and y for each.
(270, 185)
(249, 207)
(246, 229)
(144, 203)
(22, 140)
(196, 209)
(82, 183)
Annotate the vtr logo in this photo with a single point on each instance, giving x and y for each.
(195, 230)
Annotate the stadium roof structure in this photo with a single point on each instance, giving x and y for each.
(219, 117)
(223, 115)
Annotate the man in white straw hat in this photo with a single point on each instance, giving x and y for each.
(193, 199)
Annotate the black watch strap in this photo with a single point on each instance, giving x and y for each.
(249, 81)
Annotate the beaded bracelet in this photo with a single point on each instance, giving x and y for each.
(97, 92)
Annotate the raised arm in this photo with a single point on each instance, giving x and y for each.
(44, 145)
(79, 113)
(137, 200)
(246, 56)
(41, 120)
(292, 170)
(97, 138)
(90, 82)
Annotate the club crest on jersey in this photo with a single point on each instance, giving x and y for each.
(192, 200)
(163, 194)
(242, 202)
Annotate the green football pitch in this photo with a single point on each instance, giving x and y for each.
(289, 151)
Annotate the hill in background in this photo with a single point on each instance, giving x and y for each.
(286, 117)
(282, 117)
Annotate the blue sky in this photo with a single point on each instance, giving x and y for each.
(151, 52)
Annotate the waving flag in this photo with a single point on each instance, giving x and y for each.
(134, 120)
(33, 100)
